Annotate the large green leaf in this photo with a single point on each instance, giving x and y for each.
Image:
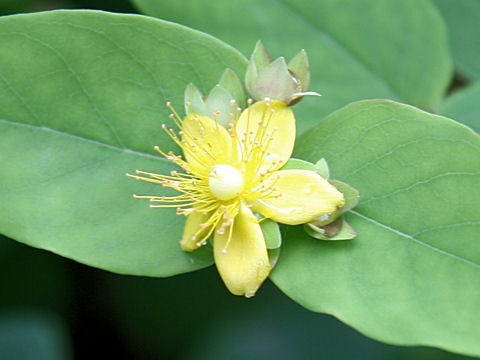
(412, 275)
(358, 49)
(463, 21)
(464, 106)
(82, 97)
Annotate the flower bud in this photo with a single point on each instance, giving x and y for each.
(277, 80)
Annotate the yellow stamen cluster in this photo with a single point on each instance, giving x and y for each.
(215, 181)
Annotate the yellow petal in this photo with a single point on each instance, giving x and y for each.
(242, 261)
(299, 196)
(205, 142)
(193, 234)
(266, 134)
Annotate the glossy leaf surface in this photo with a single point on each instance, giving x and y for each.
(82, 98)
(412, 274)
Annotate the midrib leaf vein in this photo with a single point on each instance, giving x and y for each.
(80, 138)
(407, 236)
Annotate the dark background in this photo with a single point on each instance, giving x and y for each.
(54, 308)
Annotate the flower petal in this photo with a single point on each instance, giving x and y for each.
(205, 142)
(298, 196)
(266, 134)
(242, 260)
(193, 234)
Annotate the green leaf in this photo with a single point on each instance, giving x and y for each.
(464, 105)
(463, 21)
(82, 97)
(412, 274)
(357, 49)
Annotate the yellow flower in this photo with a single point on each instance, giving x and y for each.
(231, 175)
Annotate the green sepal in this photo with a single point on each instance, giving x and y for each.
(322, 169)
(218, 104)
(274, 82)
(271, 233)
(295, 98)
(337, 230)
(260, 57)
(194, 100)
(273, 255)
(351, 195)
(299, 164)
(300, 69)
(232, 83)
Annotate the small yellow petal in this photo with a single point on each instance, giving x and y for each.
(205, 142)
(241, 254)
(298, 196)
(266, 134)
(194, 234)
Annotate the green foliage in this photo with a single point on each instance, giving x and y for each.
(412, 273)
(463, 21)
(464, 106)
(82, 99)
(357, 49)
(80, 109)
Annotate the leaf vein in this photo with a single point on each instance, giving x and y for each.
(421, 182)
(77, 78)
(79, 138)
(410, 237)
